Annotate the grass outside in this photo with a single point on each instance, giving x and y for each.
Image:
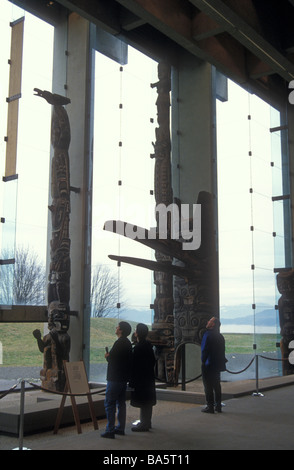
(19, 347)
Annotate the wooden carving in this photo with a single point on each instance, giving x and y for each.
(56, 344)
(163, 325)
(186, 286)
(285, 284)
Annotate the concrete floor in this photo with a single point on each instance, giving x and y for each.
(247, 423)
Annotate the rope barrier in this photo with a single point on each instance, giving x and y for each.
(67, 394)
(8, 391)
(243, 370)
(3, 395)
(256, 394)
(273, 359)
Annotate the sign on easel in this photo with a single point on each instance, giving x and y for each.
(76, 384)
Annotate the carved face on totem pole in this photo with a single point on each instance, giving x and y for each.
(58, 317)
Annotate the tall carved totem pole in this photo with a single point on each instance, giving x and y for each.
(285, 284)
(56, 344)
(163, 325)
(186, 284)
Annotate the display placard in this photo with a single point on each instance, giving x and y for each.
(76, 383)
(77, 377)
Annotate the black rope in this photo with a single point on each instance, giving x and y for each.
(274, 359)
(156, 378)
(67, 394)
(243, 370)
(8, 391)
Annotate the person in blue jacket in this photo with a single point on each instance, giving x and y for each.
(213, 363)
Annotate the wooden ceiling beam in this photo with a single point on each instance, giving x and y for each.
(220, 12)
(129, 21)
(204, 27)
(103, 13)
(168, 16)
(179, 23)
(224, 50)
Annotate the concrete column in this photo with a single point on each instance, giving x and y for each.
(193, 130)
(194, 172)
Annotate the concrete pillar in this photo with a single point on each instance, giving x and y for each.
(194, 172)
(193, 130)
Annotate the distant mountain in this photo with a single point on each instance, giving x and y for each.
(230, 315)
(234, 315)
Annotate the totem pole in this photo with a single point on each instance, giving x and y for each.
(56, 344)
(186, 280)
(163, 326)
(285, 284)
(196, 297)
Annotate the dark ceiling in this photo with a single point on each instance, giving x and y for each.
(250, 41)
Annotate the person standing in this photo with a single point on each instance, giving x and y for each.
(213, 363)
(143, 379)
(118, 374)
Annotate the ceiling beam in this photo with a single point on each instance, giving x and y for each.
(168, 16)
(204, 27)
(178, 22)
(247, 36)
(212, 30)
(103, 13)
(129, 21)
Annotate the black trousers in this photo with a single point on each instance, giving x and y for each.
(146, 415)
(212, 387)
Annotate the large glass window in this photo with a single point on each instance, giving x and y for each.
(251, 172)
(24, 197)
(123, 183)
(24, 202)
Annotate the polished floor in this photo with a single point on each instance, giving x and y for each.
(247, 423)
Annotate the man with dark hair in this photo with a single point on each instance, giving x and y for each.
(213, 362)
(118, 374)
(143, 378)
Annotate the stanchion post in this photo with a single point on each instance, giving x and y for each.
(183, 367)
(21, 417)
(257, 393)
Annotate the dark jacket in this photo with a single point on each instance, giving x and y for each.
(143, 378)
(119, 361)
(213, 351)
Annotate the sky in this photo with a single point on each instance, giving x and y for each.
(130, 163)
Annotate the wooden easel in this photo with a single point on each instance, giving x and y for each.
(76, 383)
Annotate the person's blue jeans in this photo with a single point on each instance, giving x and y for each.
(115, 397)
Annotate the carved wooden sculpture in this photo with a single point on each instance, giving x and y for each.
(285, 283)
(56, 344)
(194, 272)
(163, 326)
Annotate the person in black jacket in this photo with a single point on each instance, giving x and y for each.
(143, 379)
(118, 374)
(213, 362)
